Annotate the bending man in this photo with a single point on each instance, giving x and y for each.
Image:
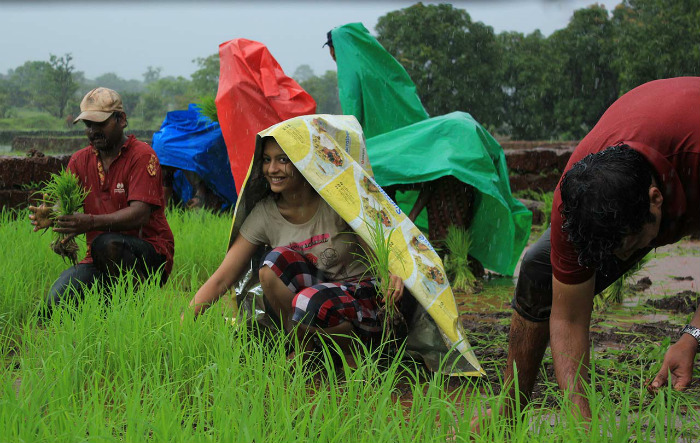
(631, 185)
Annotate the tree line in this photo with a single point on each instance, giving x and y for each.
(523, 86)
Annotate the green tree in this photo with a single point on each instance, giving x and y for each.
(130, 100)
(122, 86)
(528, 82)
(586, 78)
(151, 75)
(151, 108)
(63, 86)
(303, 73)
(205, 80)
(454, 62)
(163, 95)
(5, 107)
(324, 90)
(656, 39)
(27, 84)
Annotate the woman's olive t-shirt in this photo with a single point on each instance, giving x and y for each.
(325, 240)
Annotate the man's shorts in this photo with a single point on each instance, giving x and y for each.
(533, 292)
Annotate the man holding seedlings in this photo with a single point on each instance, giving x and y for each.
(631, 185)
(123, 217)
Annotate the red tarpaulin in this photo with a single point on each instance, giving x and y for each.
(254, 94)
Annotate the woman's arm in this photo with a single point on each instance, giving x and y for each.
(233, 266)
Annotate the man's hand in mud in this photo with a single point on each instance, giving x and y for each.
(41, 216)
(679, 362)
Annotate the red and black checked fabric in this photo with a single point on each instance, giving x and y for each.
(323, 304)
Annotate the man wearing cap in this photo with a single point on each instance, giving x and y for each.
(631, 185)
(123, 219)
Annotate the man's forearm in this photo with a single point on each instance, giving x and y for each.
(131, 217)
(571, 355)
(569, 337)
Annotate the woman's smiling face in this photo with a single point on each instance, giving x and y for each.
(278, 170)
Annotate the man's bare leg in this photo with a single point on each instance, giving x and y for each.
(527, 342)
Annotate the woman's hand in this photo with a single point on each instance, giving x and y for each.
(394, 291)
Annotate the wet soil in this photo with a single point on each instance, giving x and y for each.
(658, 302)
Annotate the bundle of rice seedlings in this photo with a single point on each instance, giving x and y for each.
(458, 241)
(377, 261)
(208, 107)
(65, 196)
(615, 293)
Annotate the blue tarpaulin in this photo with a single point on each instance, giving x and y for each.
(189, 141)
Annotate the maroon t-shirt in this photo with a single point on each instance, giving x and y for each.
(661, 120)
(134, 175)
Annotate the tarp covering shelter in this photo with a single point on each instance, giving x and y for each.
(189, 141)
(372, 85)
(455, 144)
(254, 93)
(407, 147)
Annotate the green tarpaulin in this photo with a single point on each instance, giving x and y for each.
(372, 85)
(406, 147)
(456, 144)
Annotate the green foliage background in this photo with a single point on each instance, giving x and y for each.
(520, 86)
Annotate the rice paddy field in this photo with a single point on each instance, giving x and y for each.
(124, 367)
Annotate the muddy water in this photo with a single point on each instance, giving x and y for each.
(495, 296)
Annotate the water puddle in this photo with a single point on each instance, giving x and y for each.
(494, 297)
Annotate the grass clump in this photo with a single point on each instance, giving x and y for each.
(377, 261)
(458, 242)
(616, 292)
(64, 194)
(207, 107)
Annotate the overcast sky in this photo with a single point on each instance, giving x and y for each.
(125, 37)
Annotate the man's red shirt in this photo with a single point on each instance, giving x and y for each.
(134, 175)
(661, 120)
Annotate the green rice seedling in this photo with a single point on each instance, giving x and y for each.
(547, 198)
(131, 370)
(64, 194)
(207, 107)
(458, 241)
(377, 261)
(615, 293)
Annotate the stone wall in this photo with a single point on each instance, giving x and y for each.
(20, 177)
(536, 165)
(532, 165)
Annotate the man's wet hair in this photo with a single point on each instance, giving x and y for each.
(605, 197)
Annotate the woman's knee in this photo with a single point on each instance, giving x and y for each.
(266, 274)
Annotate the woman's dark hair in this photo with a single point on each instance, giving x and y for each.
(605, 197)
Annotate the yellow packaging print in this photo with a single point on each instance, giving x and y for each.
(330, 152)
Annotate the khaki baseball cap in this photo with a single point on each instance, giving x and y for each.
(99, 104)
